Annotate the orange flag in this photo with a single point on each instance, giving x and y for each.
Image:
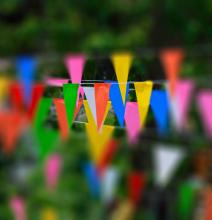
(62, 118)
(171, 60)
(101, 97)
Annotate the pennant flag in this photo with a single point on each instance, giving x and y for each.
(171, 60)
(208, 202)
(186, 201)
(98, 140)
(17, 204)
(90, 96)
(143, 93)
(101, 99)
(117, 102)
(17, 99)
(109, 184)
(107, 156)
(75, 65)
(4, 85)
(92, 179)
(166, 161)
(52, 170)
(160, 107)
(204, 101)
(26, 67)
(132, 121)
(46, 137)
(62, 118)
(49, 214)
(122, 63)
(11, 126)
(136, 182)
(70, 97)
(181, 102)
(58, 82)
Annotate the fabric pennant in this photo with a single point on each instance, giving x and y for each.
(98, 140)
(17, 204)
(46, 137)
(101, 101)
(58, 82)
(136, 182)
(90, 96)
(92, 179)
(62, 118)
(167, 159)
(70, 97)
(143, 93)
(180, 103)
(4, 87)
(52, 170)
(171, 59)
(160, 107)
(109, 182)
(132, 121)
(26, 67)
(122, 63)
(117, 102)
(75, 65)
(204, 101)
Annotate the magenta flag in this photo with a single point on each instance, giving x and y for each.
(181, 103)
(52, 170)
(57, 82)
(204, 100)
(132, 121)
(17, 205)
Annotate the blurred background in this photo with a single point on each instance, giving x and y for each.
(49, 30)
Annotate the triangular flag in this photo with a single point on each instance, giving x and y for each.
(186, 201)
(117, 102)
(122, 63)
(180, 103)
(109, 182)
(17, 205)
(98, 140)
(70, 97)
(167, 159)
(136, 182)
(207, 203)
(101, 100)
(52, 170)
(58, 82)
(160, 107)
(4, 85)
(143, 93)
(75, 65)
(92, 179)
(48, 214)
(62, 118)
(90, 96)
(46, 137)
(11, 127)
(26, 67)
(171, 60)
(204, 101)
(132, 121)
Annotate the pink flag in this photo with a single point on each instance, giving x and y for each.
(182, 102)
(58, 82)
(52, 170)
(17, 205)
(75, 64)
(132, 121)
(204, 100)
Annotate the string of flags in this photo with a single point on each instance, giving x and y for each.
(169, 105)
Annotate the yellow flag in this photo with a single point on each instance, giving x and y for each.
(143, 92)
(4, 85)
(98, 140)
(49, 214)
(122, 63)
